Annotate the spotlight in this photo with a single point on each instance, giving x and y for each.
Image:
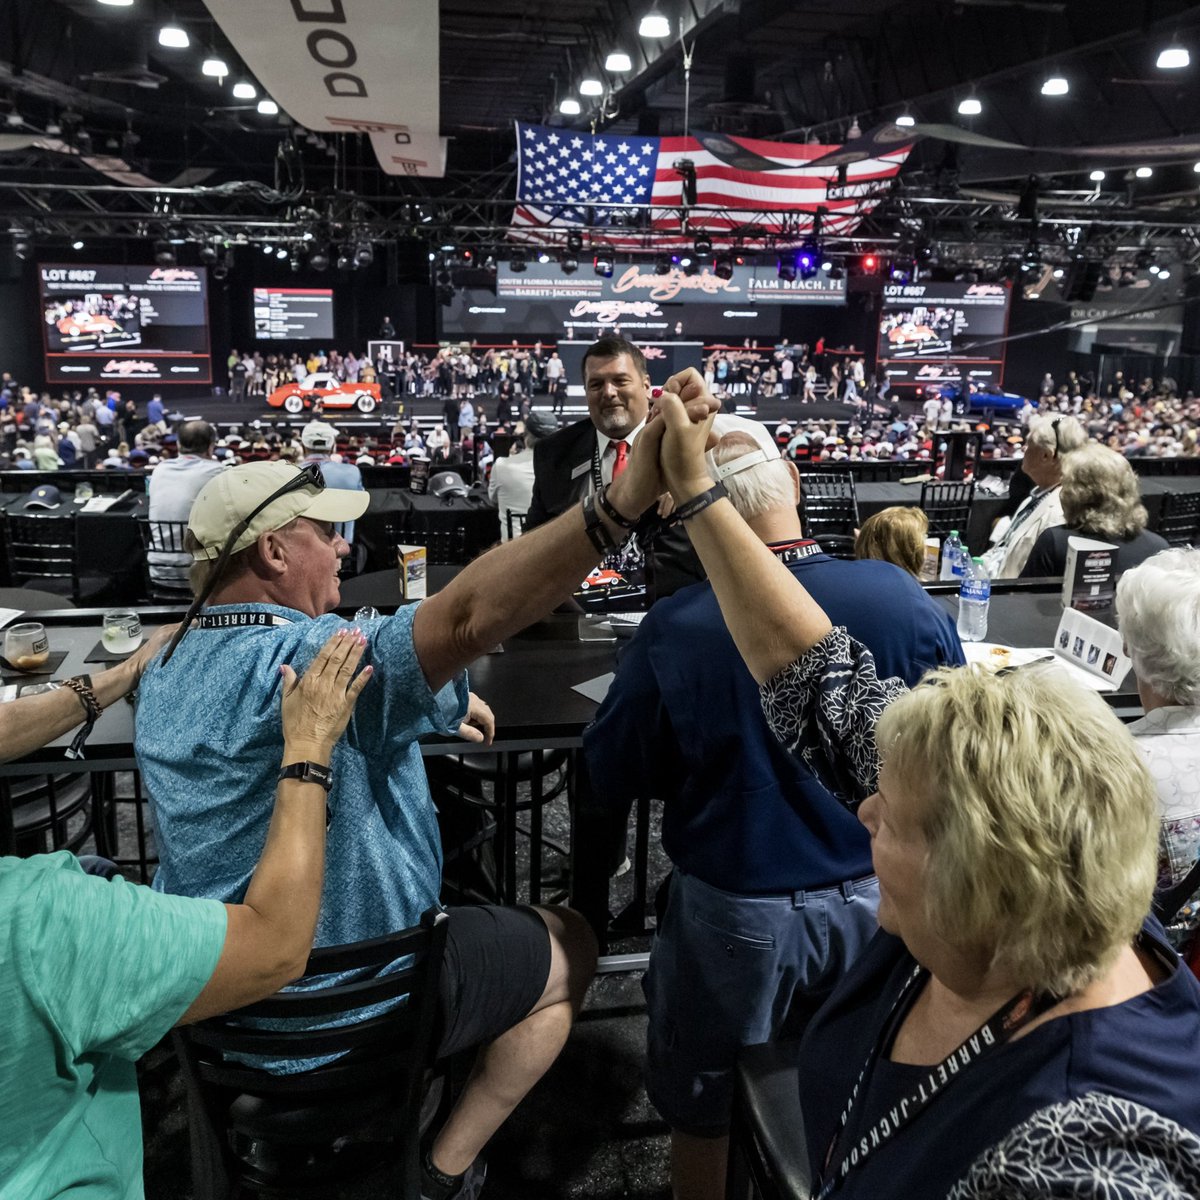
(685, 261)
(786, 267)
(702, 246)
(603, 264)
(77, 244)
(22, 246)
(209, 254)
(870, 264)
(364, 254)
(906, 120)
(574, 243)
(543, 256)
(569, 264)
(723, 267)
(1056, 85)
(517, 262)
(344, 259)
(662, 264)
(1097, 176)
(826, 266)
(281, 252)
(176, 235)
(1173, 58)
(268, 107)
(1144, 172)
(295, 262)
(808, 261)
(163, 254)
(970, 107)
(318, 260)
(268, 248)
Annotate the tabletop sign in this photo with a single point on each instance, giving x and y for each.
(418, 478)
(410, 561)
(1089, 580)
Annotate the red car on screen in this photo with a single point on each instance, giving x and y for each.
(296, 397)
(900, 335)
(81, 323)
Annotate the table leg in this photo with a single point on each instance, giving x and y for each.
(590, 832)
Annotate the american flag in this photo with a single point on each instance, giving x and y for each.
(563, 173)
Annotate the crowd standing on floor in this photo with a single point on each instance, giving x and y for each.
(941, 874)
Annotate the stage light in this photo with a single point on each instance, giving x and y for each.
(970, 107)
(176, 235)
(268, 107)
(827, 266)
(591, 87)
(618, 62)
(702, 246)
(654, 25)
(574, 243)
(543, 256)
(209, 254)
(281, 252)
(517, 262)
(1056, 85)
(173, 37)
(1164, 274)
(163, 254)
(1153, 268)
(569, 265)
(1196, 168)
(364, 254)
(77, 244)
(786, 267)
(662, 264)
(603, 264)
(268, 248)
(1173, 58)
(1144, 172)
(906, 120)
(343, 261)
(1097, 176)
(22, 246)
(723, 267)
(1059, 272)
(685, 261)
(244, 91)
(870, 264)
(570, 107)
(217, 68)
(117, 3)
(53, 129)
(318, 260)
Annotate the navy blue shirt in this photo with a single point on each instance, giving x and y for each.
(682, 721)
(1144, 1050)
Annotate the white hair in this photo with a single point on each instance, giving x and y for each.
(1158, 613)
(1056, 435)
(760, 488)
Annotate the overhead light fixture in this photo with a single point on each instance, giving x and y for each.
(1144, 172)
(281, 252)
(117, 3)
(786, 266)
(906, 120)
(662, 264)
(618, 62)
(244, 91)
(1153, 268)
(702, 246)
(318, 260)
(543, 256)
(685, 261)
(53, 129)
(1195, 166)
(364, 254)
(216, 68)
(164, 256)
(569, 264)
(591, 87)
(268, 248)
(602, 264)
(723, 267)
(1097, 176)
(574, 243)
(570, 107)
(1173, 58)
(1164, 273)
(268, 107)
(77, 244)
(1058, 272)
(517, 262)
(654, 25)
(173, 37)
(209, 254)
(1056, 85)
(970, 107)
(827, 266)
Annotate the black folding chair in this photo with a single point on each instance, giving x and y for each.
(948, 506)
(443, 547)
(287, 1134)
(44, 549)
(829, 510)
(1180, 522)
(515, 522)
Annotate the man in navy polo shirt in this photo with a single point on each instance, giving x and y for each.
(772, 896)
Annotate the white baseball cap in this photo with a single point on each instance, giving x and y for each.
(229, 498)
(318, 435)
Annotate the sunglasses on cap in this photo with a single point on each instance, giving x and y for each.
(308, 477)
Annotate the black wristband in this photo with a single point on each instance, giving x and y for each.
(309, 772)
(606, 507)
(594, 527)
(699, 503)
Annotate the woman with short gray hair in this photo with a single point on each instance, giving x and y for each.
(1101, 499)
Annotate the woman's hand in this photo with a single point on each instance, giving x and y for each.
(317, 708)
(480, 723)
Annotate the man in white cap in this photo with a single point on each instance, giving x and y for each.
(208, 743)
(319, 440)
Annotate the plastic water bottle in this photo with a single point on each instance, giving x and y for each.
(954, 557)
(973, 598)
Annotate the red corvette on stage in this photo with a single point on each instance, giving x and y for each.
(296, 397)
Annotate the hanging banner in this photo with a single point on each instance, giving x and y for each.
(107, 164)
(349, 66)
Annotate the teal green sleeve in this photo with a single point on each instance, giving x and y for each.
(114, 965)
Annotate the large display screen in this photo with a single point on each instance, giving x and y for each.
(933, 332)
(293, 314)
(125, 323)
(930, 333)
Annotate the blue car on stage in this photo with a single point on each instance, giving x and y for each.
(988, 398)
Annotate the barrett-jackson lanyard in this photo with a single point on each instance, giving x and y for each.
(997, 1030)
(236, 620)
(790, 552)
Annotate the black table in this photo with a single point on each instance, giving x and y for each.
(479, 520)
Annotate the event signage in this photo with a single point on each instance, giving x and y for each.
(939, 332)
(366, 66)
(638, 283)
(293, 314)
(128, 324)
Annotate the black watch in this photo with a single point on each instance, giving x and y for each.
(309, 772)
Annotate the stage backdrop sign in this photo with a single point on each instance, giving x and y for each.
(103, 324)
(934, 332)
(367, 67)
(293, 314)
(637, 283)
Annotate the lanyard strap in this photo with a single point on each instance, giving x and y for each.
(790, 552)
(1024, 514)
(994, 1032)
(238, 620)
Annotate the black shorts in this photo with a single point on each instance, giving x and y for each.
(496, 968)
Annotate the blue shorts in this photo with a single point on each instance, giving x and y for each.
(724, 972)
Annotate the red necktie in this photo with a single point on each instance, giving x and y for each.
(622, 458)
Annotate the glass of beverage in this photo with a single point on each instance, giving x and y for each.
(26, 646)
(122, 631)
(84, 492)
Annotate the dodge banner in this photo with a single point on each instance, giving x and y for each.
(136, 324)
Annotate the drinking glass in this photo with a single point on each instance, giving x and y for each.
(122, 631)
(26, 646)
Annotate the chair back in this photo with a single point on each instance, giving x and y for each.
(167, 562)
(42, 548)
(384, 1056)
(443, 547)
(1180, 523)
(948, 506)
(828, 503)
(515, 522)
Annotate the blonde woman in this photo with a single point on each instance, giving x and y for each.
(896, 535)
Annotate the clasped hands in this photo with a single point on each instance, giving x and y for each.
(668, 455)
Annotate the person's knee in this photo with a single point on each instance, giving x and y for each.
(573, 954)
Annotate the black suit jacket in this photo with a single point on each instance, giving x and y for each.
(562, 471)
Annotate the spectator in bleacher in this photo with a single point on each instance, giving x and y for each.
(320, 444)
(174, 485)
(1101, 499)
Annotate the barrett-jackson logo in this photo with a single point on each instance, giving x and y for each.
(985, 289)
(608, 311)
(129, 366)
(172, 274)
(667, 287)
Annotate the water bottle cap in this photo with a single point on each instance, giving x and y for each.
(977, 560)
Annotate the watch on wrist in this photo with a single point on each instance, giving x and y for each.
(309, 772)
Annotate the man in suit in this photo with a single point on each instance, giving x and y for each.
(590, 453)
